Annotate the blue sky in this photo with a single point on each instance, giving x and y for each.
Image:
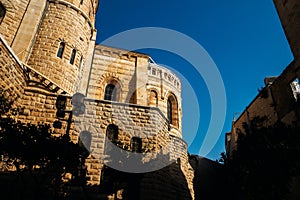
(244, 38)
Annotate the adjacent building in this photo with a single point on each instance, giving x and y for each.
(279, 99)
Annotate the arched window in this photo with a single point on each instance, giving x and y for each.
(110, 92)
(61, 49)
(153, 98)
(172, 110)
(2, 12)
(73, 56)
(112, 132)
(85, 140)
(136, 144)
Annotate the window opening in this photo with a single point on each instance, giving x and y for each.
(61, 49)
(2, 12)
(110, 92)
(136, 145)
(72, 58)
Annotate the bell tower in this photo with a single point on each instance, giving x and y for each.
(64, 41)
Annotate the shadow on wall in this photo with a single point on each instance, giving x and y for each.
(168, 183)
(209, 178)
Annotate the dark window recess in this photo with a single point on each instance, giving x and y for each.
(72, 58)
(61, 49)
(81, 2)
(136, 144)
(169, 110)
(110, 92)
(2, 12)
(172, 110)
(112, 133)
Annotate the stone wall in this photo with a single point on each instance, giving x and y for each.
(37, 83)
(115, 66)
(165, 83)
(137, 81)
(28, 28)
(11, 22)
(12, 76)
(62, 23)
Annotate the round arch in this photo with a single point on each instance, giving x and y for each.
(172, 109)
(104, 81)
(153, 97)
(112, 90)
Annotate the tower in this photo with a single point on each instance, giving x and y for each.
(63, 41)
(48, 52)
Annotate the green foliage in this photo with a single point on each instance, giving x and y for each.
(266, 160)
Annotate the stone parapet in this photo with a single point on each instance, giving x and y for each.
(12, 73)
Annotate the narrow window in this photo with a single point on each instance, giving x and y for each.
(110, 92)
(2, 12)
(172, 110)
(61, 49)
(72, 58)
(169, 112)
(112, 133)
(81, 2)
(136, 145)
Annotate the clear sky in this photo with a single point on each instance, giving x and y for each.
(244, 38)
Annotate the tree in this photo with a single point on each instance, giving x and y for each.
(34, 150)
(266, 161)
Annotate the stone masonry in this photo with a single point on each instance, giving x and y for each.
(47, 49)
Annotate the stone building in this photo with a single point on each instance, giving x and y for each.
(48, 53)
(279, 99)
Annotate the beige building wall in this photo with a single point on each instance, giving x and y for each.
(28, 28)
(31, 33)
(118, 67)
(138, 81)
(15, 10)
(66, 23)
(167, 86)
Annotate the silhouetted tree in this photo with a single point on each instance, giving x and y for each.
(265, 162)
(34, 150)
